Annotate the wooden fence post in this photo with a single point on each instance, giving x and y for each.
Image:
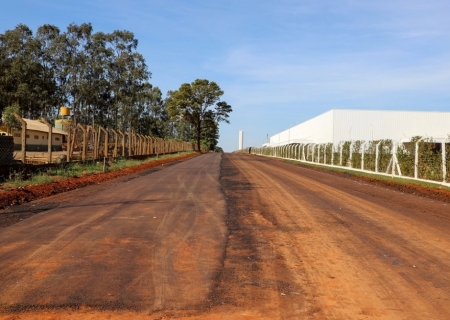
(24, 136)
(49, 144)
(83, 152)
(105, 147)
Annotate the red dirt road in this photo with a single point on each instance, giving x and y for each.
(268, 240)
(148, 244)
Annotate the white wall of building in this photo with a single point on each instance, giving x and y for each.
(315, 130)
(344, 125)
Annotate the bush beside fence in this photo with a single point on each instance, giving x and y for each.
(419, 158)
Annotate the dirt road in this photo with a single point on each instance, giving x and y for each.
(290, 243)
(152, 243)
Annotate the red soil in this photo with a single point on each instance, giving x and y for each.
(30, 193)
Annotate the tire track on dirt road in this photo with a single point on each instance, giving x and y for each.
(398, 243)
(153, 244)
(351, 254)
(171, 240)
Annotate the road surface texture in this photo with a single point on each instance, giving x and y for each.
(268, 240)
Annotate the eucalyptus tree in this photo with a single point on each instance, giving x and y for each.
(154, 118)
(198, 103)
(74, 62)
(178, 127)
(127, 73)
(95, 86)
(46, 37)
(210, 131)
(100, 76)
(19, 76)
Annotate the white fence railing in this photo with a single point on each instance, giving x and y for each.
(421, 159)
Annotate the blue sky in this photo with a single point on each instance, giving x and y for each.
(279, 62)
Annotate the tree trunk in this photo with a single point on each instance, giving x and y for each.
(199, 133)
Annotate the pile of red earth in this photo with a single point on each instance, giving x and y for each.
(30, 193)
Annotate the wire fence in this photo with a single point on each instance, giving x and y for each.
(85, 142)
(424, 159)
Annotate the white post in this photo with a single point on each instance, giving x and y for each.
(376, 156)
(416, 159)
(351, 154)
(312, 154)
(362, 156)
(303, 152)
(340, 159)
(396, 160)
(444, 168)
(332, 154)
(318, 153)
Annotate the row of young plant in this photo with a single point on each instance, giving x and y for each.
(419, 158)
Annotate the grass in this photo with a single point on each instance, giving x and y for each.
(372, 176)
(78, 169)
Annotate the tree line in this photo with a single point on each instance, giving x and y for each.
(105, 81)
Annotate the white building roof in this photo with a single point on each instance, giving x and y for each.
(339, 125)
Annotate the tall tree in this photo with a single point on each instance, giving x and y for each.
(48, 104)
(198, 103)
(20, 70)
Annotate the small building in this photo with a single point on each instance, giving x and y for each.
(37, 137)
(339, 125)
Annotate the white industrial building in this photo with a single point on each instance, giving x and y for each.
(339, 125)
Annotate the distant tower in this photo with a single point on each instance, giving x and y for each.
(241, 139)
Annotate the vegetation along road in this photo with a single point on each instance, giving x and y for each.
(230, 236)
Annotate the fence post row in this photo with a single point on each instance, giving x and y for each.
(371, 156)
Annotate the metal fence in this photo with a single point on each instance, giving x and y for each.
(424, 159)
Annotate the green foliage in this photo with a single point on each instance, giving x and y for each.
(8, 118)
(430, 160)
(384, 154)
(430, 165)
(447, 159)
(405, 157)
(336, 158)
(369, 156)
(308, 152)
(356, 154)
(328, 152)
(346, 153)
(100, 76)
(198, 104)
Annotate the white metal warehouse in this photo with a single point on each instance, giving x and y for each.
(339, 125)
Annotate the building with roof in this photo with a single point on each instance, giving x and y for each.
(37, 137)
(339, 125)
